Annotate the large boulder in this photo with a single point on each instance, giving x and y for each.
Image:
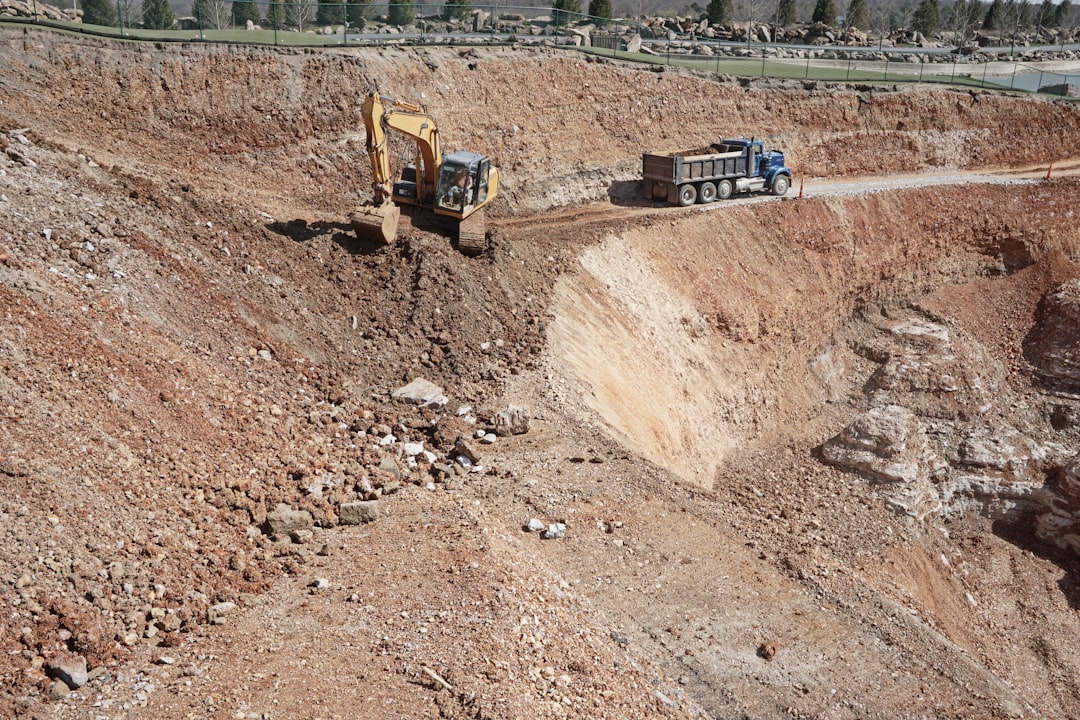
(1053, 345)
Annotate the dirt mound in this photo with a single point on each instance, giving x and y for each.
(193, 337)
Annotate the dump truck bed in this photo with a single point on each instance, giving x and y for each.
(694, 165)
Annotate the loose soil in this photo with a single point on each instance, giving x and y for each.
(192, 335)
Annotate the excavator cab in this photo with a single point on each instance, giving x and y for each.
(463, 184)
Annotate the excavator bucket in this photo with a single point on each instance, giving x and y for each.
(378, 223)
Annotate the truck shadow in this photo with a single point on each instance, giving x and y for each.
(630, 193)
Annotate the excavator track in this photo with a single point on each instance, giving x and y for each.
(472, 234)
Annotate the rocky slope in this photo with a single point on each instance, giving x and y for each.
(199, 365)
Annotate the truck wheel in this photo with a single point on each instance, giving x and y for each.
(780, 185)
(687, 195)
(706, 193)
(723, 190)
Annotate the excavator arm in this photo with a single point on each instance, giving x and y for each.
(381, 115)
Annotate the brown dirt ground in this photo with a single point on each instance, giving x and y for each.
(191, 335)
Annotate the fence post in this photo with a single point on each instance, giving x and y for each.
(807, 76)
(886, 67)
(1038, 88)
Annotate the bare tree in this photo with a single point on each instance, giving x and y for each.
(965, 18)
(298, 12)
(1015, 17)
(130, 12)
(755, 11)
(215, 14)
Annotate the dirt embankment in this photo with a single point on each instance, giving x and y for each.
(192, 336)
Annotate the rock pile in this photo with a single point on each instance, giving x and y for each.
(933, 438)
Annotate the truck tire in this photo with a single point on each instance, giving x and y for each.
(706, 193)
(724, 189)
(780, 184)
(687, 195)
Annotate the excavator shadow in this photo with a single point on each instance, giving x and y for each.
(301, 231)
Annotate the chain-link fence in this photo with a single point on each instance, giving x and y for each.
(351, 23)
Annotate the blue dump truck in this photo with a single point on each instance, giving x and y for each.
(714, 173)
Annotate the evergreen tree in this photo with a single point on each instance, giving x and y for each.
(244, 10)
(1063, 15)
(459, 9)
(785, 13)
(157, 15)
(330, 13)
(99, 12)
(402, 12)
(566, 11)
(600, 10)
(858, 15)
(825, 12)
(994, 16)
(926, 18)
(357, 12)
(719, 12)
(275, 14)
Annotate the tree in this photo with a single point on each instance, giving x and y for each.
(825, 12)
(130, 12)
(858, 15)
(402, 12)
(785, 13)
(565, 10)
(275, 14)
(1044, 16)
(99, 12)
(459, 9)
(995, 16)
(927, 18)
(330, 13)
(600, 9)
(299, 13)
(964, 19)
(719, 12)
(357, 12)
(157, 15)
(211, 13)
(243, 11)
(1063, 15)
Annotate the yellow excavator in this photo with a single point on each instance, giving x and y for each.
(457, 186)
